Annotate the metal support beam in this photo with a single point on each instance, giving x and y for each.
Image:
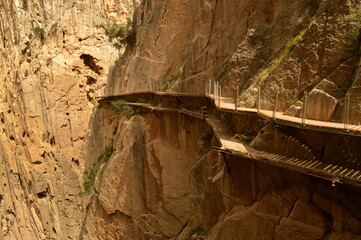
(189, 119)
(155, 113)
(204, 113)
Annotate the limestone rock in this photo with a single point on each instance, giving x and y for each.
(330, 88)
(320, 105)
(271, 140)
(306, 213)
(295, 109)
(276, 204)
(290, 229)
(245, 224)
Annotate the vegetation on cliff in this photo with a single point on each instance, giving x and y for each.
(354, 19)
(122, 34)
(121, 108)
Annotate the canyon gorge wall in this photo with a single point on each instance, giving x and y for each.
(54, 56)
(161, 182)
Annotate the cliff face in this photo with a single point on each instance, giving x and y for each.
(54, 55)
(244, 44)
(279, 46)
(161, 182)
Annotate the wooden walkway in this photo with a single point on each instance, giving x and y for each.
(228, 104)
(229, 145)
(315, 168)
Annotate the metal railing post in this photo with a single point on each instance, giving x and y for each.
(236, 100)
(214, 89)
(275, 107)
(217, 91)
(216, 95)
(209, 87)
(304, 110)
(347, 107)
(259, 100)
(219, 96)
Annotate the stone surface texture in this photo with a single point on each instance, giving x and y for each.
(320, 105)
(160, 182)
(54, 56)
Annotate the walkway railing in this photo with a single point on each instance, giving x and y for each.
(345, 170)
(327, 109)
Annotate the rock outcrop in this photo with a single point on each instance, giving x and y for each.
(320, 105)
(54, 56)
(69, 170)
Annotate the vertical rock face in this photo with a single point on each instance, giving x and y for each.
(283, 46)
(54, 56)
(160, 183)
(190, 42)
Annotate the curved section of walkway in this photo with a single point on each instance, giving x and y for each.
(229, 145)
(228, 105)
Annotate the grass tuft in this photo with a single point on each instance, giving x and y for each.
(123, 33)
(121, 108)
(354, 20)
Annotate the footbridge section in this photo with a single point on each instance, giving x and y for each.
(206, 106)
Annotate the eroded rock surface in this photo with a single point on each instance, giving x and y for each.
(54, 56)
(160, 183)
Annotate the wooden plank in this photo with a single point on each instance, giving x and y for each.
(350, 172)
(357, 172)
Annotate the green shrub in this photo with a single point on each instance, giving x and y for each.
(293, 42)
(153, 102)
(89, 183)
(4, 54)
(38, 31)
(123, 33)
(106, 153)
(121, 108)
(169, 81)
(293, 100)
(247, 138)
(25, 4)
(206, 138)
(272, 66)
(194, 232)
(354, 20)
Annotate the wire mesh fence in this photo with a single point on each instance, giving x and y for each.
(333, 109)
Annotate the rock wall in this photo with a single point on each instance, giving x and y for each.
(162, 183)
(282, 46)
(54, 56)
